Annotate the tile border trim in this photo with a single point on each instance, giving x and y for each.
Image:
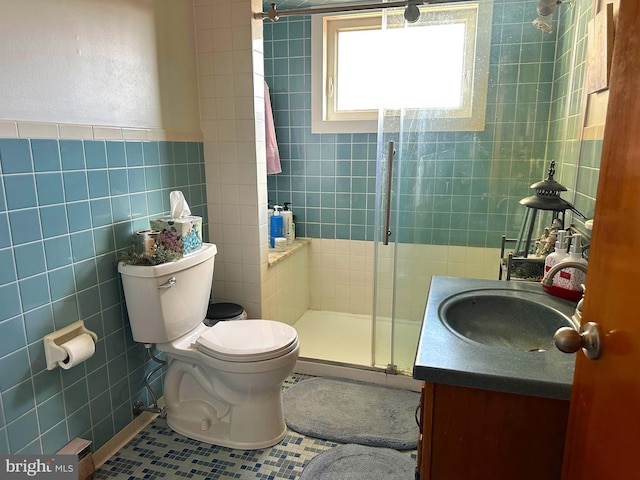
(63, 131)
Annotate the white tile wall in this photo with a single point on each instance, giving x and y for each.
(341, 274)
(338, 276)
(25, 129)
(229, 43)
(285, 291)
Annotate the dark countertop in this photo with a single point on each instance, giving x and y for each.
(448, 358)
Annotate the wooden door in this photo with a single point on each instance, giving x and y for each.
(603, 437)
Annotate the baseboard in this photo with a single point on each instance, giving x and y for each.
(359, 373)
(123, 437)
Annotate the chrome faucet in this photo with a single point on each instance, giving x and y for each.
(547, 281)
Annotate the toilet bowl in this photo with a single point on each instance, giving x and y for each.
(223, 383)
(222, 393)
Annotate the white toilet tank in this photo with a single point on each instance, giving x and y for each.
(166, 301)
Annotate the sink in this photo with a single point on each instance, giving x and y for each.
(494, 335)
(503, 318)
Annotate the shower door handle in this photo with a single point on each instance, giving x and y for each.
(387, 232)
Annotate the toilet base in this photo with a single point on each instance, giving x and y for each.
(249, 426)
(236, 409)
(221, 435)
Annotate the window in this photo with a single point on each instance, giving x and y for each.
(437, 67)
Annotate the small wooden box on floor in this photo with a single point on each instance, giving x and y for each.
(480, 434)
(82, 449)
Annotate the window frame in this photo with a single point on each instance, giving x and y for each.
(471, 117)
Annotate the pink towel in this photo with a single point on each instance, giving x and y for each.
(273, 155)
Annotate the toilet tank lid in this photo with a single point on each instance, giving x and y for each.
(204, 253)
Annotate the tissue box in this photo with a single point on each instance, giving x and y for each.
(188, 230)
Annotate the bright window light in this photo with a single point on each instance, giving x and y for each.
(435, 69)
(429, 77)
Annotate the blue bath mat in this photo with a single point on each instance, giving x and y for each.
(352, 412)
(354, 462)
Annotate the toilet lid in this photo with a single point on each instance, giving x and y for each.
(247, 340)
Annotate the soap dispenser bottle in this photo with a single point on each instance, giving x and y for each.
(570, 280)
(287, 223)
(560, 252)
(269, 212)
(275, 226)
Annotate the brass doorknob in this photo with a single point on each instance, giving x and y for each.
(569, 340)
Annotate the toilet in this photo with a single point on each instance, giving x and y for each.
(223, 384)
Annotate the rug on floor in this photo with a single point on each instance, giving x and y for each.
(353, 412)
(352, 462)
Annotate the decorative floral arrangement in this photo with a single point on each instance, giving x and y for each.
(531, 271)
(168, 248)
(161, 254)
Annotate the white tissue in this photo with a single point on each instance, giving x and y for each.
(179, 207)
(78, 350)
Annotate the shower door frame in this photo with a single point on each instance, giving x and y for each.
(400, 125)
(387, 151)
(389, 163)
(388, 266)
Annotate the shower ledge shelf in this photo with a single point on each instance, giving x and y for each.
(298, 243)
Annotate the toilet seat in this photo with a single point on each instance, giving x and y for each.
(247, 340)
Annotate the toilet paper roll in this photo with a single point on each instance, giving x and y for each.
(78, 350)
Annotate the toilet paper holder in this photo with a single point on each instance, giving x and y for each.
(53, 352)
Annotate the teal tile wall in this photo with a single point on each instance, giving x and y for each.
(462, 188)
(66, 209)
(578, 160)
(587, 181)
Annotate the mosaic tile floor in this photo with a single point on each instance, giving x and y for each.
(159, 453)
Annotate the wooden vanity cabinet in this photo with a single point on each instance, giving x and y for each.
(473, 434)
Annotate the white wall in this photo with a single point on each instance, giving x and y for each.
(341, 274)
(338, 275)
(285, 289)
(230, 69)
(123, 63)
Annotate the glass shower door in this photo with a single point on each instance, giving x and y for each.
(403, 218)
(399, 288)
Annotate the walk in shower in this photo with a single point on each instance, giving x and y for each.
(425, 194)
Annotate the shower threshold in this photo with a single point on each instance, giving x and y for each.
(338, 344)
(360, 373)
(347, 338)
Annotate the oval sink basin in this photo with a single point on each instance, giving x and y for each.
(503, 318)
